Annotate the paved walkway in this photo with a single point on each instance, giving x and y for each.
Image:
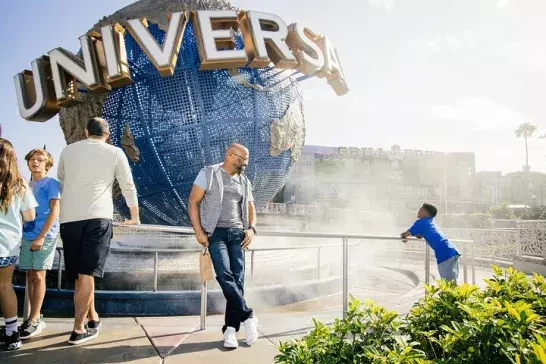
(179, 339)
(163, 340)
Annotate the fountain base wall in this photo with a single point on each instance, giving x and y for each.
(177, 303)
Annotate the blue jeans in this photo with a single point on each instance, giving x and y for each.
(228, 260)
(449, 269)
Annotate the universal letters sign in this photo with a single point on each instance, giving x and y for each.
(55, 78)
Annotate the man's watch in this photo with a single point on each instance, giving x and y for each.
(253, 229)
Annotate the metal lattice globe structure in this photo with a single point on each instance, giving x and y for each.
(180, 123)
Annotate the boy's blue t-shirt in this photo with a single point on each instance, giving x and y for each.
(44, 190)
(443, 249)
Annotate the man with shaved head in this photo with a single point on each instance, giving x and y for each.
(223, 216)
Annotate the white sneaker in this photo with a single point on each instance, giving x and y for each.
(251, 329)
(28, 329)
(230, 340)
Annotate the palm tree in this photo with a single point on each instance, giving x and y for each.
(526, 130)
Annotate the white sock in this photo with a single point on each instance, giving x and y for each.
(11, 325)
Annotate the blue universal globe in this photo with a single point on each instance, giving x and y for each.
(179, 124)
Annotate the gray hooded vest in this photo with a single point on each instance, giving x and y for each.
(210, 207)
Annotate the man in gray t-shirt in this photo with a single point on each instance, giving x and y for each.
(223, 216)
(232, 214)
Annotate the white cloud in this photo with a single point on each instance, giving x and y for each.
(481, 114)
(502, 3)
(465, 41)
(388, 5)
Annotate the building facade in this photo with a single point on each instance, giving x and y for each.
(401, 179)
(381, 180)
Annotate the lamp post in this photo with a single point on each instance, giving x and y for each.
(541, 193)
(445, 188)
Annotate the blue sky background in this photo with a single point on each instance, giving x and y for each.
(425, 74)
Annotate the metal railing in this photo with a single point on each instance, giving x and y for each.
(467, 253)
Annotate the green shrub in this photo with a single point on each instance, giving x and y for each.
(369, 334)
(502, 211)
(504, 323)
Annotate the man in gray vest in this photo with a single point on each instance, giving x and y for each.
(223, 216)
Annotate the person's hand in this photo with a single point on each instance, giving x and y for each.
(202, 238)
(37, 244)
(130, 222)
(249, 235)
(419, 236)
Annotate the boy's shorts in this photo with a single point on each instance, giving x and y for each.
(449, 269)
(38, 260)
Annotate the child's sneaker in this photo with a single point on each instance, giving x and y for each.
(12, 342)
(24, 325)
(88, 335)
(28, 329)
(92, 324)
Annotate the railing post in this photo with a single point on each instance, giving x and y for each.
(345, 276)
(203, 304)
(26, 308)
(318, 264)
(472, 263)
(156, 259)
(427, 264)
(60, 271)
(252, 265)
(518, 241)
(465, 258)
(542, 231)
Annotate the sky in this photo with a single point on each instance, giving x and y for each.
(443, 75)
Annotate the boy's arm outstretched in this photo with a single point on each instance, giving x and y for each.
(408, 234)
(415, 230)
(404, 235)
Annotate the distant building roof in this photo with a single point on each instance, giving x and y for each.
(515, 207)
(312, 149)
(526, 174)
(489, 173)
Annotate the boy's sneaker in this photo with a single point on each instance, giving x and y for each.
(28, 329)
(251, 329)
(12, 342)
(24, 325)
(2, 335)
(92, 324)
(88, 335)
(230, 340)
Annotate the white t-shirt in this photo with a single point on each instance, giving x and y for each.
(11, 223)
(87, 170)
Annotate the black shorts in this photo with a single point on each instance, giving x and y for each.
(86, 245)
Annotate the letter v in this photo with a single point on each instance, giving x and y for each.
(163, 57)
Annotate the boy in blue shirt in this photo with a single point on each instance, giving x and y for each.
(39, 237)
(447, 255)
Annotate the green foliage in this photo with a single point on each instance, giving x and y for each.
(534, 213)
(369, 334)
(503, 323)
(525, 130)
(329, 166)
(502, 211)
